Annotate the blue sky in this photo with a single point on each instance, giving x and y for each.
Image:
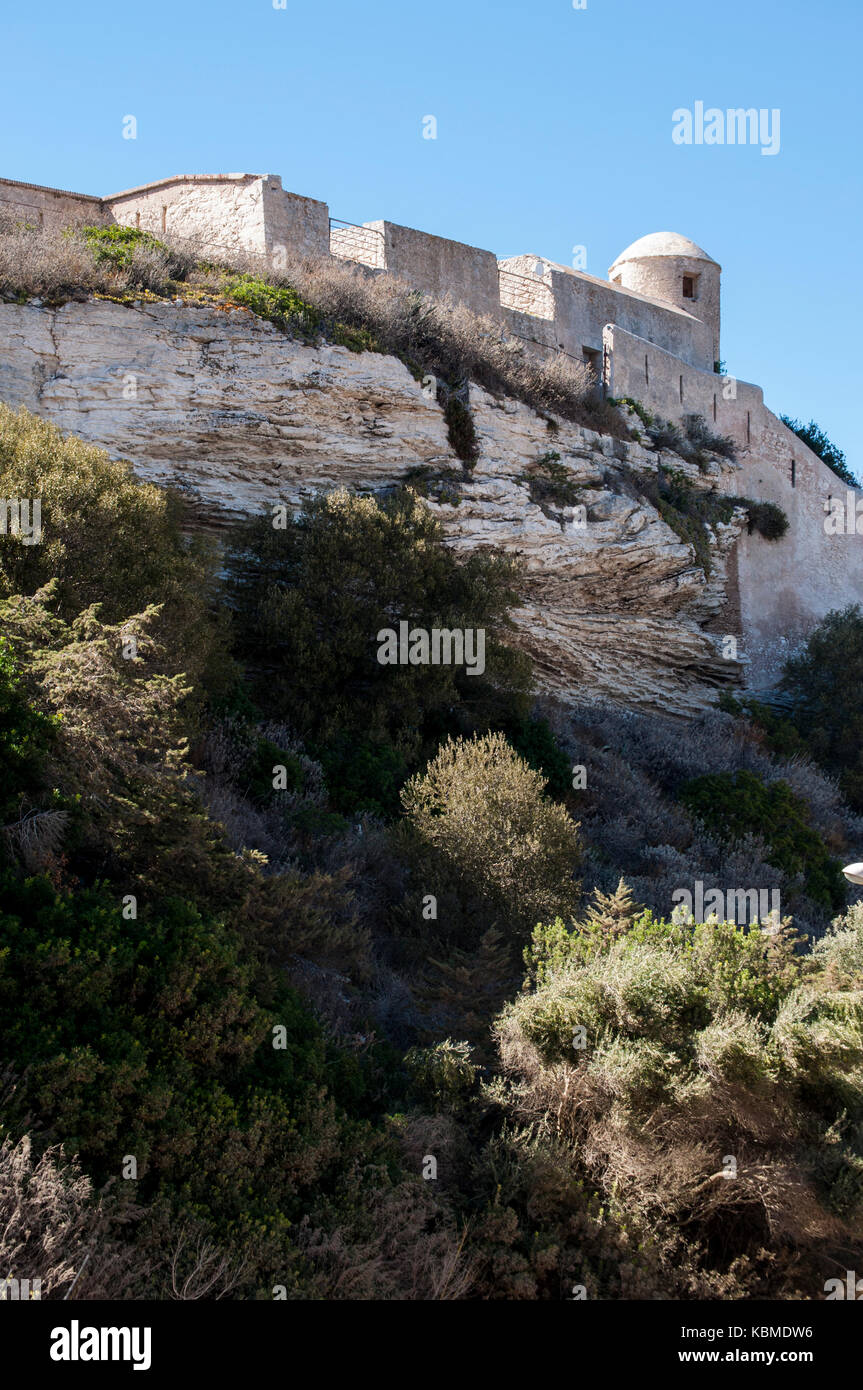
(553, 130)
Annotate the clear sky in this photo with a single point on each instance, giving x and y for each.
(553, 130)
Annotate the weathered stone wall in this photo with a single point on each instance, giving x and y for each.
(580, 306)
(47, 207)
(429, 263)
(218, 212)
(785, 586)
(784, 594)
(440, 266)
(670, 387)
(525, 286)
(584, 305)
(293, 224)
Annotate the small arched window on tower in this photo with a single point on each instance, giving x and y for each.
(690, 287)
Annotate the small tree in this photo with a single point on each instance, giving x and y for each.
(309, 599)
(105, 538)
(481, 812)
(825, 681)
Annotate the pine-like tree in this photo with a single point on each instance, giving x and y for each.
(613, 913)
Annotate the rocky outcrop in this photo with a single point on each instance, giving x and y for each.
(226, 408)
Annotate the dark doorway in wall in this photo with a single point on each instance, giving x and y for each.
(592, 358)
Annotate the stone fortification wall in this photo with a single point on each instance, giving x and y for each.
(786, 586)
(46, 207)
(219, 212)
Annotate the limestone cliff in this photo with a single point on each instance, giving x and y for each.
(226, 408)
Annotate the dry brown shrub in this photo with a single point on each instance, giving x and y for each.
(43, 262)
(52, 1228)
(403, 1246)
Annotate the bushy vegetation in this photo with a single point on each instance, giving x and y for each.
(693, 512)
(708, 1083)
(265, 906)
(768, 519)
(281, 305)
(550, 482)
(140, 258)
(741, 805)
(479, 817)
(106, 539)
(309, 599)
(817, 712)
(693, 438)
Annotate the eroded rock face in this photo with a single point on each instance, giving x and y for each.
(226, 408)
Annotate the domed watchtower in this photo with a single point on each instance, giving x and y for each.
(665, 265)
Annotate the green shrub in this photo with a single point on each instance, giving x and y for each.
(309, 601)
(766, 518)
(140, 258)
(117, 245)
(549, 481)
(260, 772)
(106, 539)
(664, 434)
(25, 736)
(479, 812)
(148, 1037)
(461, 430)
(278, 304)
(700, 440)
(440, 1076)
(534, 741)
(363, 775)
(824, 682)
(675, 1046)
(441, 484)
(733, 806)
